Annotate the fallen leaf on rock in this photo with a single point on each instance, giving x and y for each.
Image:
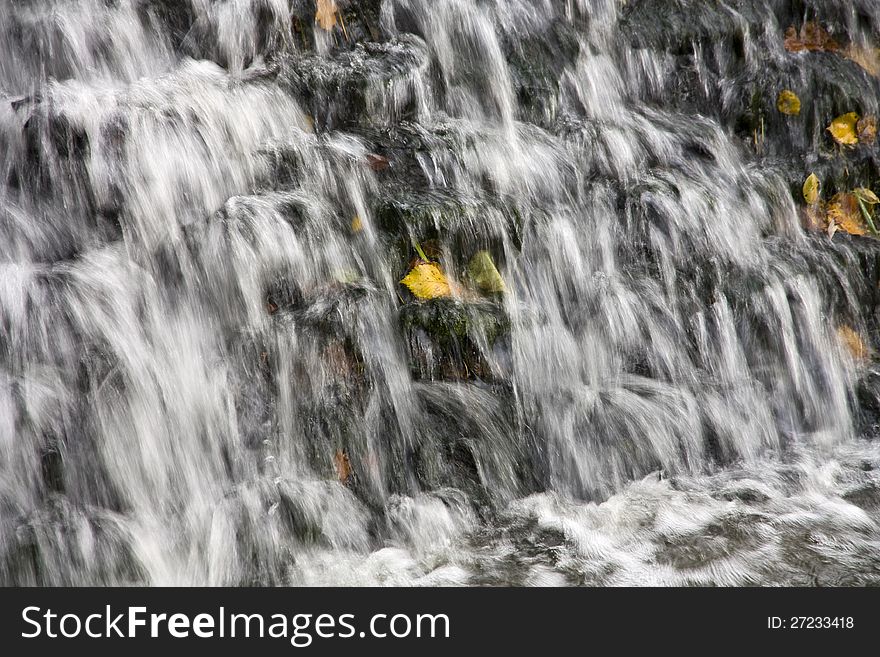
(865, 195)
(867, 58)
(853, 342)
(844, 129)
(484, 273)
(811, 189)
(815, 218)
(427, 281)
(343, 465)
(357, 225)
(843, 209)
(812, 37)
(377, 162)
(866, 129)
(325, 14)
(788, 103)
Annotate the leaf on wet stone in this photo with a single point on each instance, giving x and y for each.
(811, 189)
(866, 129)
(485, 274)
(844, 129)
(843, 210)
(377, 162)
(788, 103)
(343, 465)
(815, 217)
(853, 342)
(811, 37)
(325, 13)
(427, 281)
(357, 224)
(865, 195)
(866, 57)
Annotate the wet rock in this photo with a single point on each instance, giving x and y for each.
(449, 340)
(357, 86)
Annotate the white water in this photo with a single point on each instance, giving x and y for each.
(671, 406)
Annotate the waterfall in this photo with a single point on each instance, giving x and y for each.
(210, 373)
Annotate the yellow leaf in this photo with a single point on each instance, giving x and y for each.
(357, 225)
(485, 275)
(853, 342)
(811, 189)
(843, 129)
(866, 196)
(427, 281)
(867, 129)
(326, 13)
(342, 465)
(843, 209)
(788, 103)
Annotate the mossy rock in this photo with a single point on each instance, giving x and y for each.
(450, 340)
(464, 223)
(446, 319)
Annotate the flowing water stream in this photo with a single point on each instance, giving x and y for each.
(209, 373)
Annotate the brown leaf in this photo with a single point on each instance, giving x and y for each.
(811, 37)
(342, 465)
(325, 14)
(377, 162)
(867, 58)
(337, 360)
(866, 128)
(815, 218)
(853, 343)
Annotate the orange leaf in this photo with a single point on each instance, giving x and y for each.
(843, 209)
(326, 13)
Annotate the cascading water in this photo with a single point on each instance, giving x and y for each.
(209, 373)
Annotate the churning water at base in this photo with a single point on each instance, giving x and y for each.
(209, 373)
